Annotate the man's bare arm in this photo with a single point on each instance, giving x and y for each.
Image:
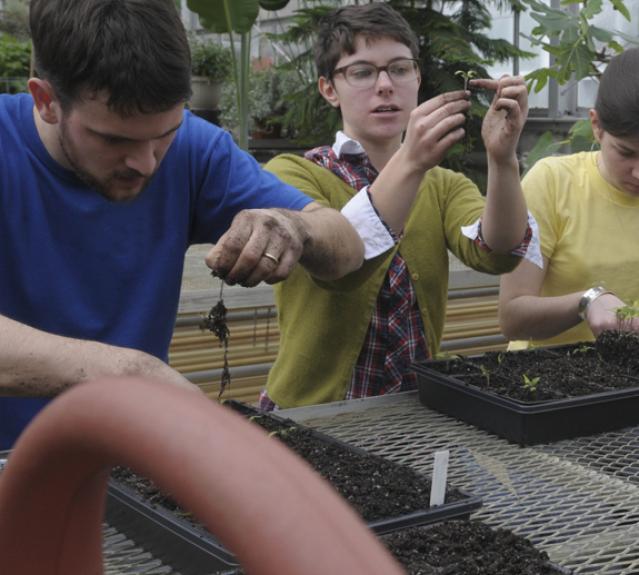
(34, 363)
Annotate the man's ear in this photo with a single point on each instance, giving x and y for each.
(327, 90)
(45, 100)
(597, 130)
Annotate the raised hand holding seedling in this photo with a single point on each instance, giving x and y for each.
(506, 115)
(433, 128)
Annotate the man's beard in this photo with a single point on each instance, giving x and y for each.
(104, 188)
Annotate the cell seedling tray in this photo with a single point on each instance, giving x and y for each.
(443, 386)
(191, 549)
(458, 503)
(188, 549)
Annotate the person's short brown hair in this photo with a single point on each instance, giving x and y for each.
(340, 28)
(617, 103)
(135, 51)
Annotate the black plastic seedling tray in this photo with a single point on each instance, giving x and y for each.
(456, 509)
(187, 549)
(193, 551)
(526, 423)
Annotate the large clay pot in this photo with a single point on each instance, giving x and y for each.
(265, 504)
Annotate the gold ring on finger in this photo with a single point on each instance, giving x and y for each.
(271, 257)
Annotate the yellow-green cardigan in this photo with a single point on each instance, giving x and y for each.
(323, 325)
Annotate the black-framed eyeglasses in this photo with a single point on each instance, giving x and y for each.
(364, 75)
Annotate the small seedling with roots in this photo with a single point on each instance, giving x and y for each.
(215, 322)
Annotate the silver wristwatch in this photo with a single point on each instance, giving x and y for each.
(589, 296)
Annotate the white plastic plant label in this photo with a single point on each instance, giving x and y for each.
(440, 475)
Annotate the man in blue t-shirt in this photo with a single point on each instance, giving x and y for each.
(105, 181)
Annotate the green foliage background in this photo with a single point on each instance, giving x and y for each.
(452, 36)
(15, 57)
(210, 59)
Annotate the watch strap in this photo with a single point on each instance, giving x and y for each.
(589, 296)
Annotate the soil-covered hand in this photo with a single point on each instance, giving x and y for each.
(261, 245)
(505, 117)
(602, 315)
(433, 127)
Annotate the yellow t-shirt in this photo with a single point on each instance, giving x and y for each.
(589, 231)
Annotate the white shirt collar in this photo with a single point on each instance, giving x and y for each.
(345, 145)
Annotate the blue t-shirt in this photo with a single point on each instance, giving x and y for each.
(75, 264)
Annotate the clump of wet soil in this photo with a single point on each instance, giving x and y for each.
(620, 348)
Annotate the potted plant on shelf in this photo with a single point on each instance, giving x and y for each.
(224, 17)
(267, 103)
(210, 67)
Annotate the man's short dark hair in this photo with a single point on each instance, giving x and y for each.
(339, 29)
(617, 102)
(135, 51)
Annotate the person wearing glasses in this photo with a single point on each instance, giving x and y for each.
(357, 337)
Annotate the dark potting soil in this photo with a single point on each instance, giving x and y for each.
(462, 547)
(620, 349)
(377, 488)
(608, 364)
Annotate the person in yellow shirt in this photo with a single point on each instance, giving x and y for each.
(587, 209)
